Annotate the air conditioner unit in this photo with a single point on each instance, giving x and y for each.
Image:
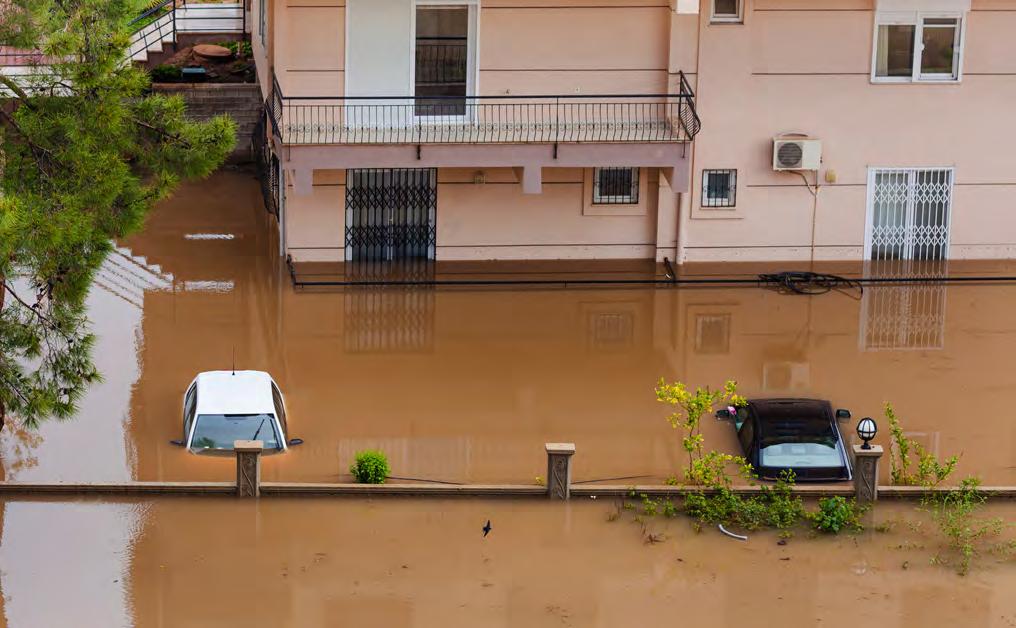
(796, 154)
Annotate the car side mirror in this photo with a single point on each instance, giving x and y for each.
(295, 441)
(842, 414)
(178, 443)
(723, 415)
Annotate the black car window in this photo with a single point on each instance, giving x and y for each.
(747, 434)
(280, 407)
(798, 429)
(217, 432)
(798, 442)
(189, 405)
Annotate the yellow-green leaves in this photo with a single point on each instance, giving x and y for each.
(703, 469)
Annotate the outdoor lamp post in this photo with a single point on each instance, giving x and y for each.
(866, 429)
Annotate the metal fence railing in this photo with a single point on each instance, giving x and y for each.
(162, 21)
(610, 118)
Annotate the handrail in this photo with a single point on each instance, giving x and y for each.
(484, 119)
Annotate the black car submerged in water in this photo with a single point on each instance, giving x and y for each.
(802, 435)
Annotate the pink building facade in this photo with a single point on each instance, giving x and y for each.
(720, 130)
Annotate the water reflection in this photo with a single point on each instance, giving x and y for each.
(410, 562)
(467, 385)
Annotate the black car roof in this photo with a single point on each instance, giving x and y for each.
(768, 410)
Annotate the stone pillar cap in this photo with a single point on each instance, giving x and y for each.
(560, 448)
(876, 450)
(248, 445)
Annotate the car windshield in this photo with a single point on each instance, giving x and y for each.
(801, 442)
(217, 432)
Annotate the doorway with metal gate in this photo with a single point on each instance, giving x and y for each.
(391, 214)
(909, 210)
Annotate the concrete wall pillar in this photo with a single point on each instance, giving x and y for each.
(559, 469)
(866, 473)
(248, 467)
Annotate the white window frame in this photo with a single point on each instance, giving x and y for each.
(726, 18)
(263, 23)
(916, 19)
(869, 221)
(472, 58)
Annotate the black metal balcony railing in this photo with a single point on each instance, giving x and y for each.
(484, 119)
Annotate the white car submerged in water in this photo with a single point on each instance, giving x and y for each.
(221, 407)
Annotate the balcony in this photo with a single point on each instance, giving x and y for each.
(526, 133)
(439, 119)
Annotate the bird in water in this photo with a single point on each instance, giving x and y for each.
(487, 528)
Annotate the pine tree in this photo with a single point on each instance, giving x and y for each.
(86, 152)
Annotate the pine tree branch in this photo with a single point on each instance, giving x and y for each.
(14, 87)
(176, 137)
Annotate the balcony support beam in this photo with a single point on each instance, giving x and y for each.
(529, 157)
(303, 181)
(531, 178)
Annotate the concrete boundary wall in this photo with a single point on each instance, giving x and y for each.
(559, 485)
(444, 490)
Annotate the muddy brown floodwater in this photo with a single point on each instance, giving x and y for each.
(467, 385)
(425, 563)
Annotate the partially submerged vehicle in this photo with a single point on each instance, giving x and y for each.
(800, 435)
(221, 407)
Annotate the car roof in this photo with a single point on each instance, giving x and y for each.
(239, 392)
(788, 409)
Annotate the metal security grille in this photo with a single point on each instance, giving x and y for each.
(908, 214)
(616, 186)
(268, 168)
(387, 320)
(908, 316)
(391, 214)
(719, 188)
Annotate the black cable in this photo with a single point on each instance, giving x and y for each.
(807, 282)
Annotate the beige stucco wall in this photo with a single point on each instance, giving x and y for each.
(804, 67)
(617, 46)
(494, 219)
(793, 65)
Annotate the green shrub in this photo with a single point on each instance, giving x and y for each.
(783, 509)
(967, 536)
(165, 73)
(238, 48)
(774, 507)
(836, 514)
(370, 467)
(930, 470)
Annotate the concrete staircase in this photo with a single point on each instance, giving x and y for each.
(129, 276)
(242, 101)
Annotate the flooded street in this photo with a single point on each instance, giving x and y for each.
(466, 385)
(425, 563)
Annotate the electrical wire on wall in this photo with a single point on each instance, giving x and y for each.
(814, 211)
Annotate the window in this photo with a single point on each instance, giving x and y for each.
(746, 432)
(189, 405)
(442, 59)
(217, 432)
(917, 48)
(726, 11)
(712, 333)
(908, 214)
(280, 407)
(615, 186)
(719, 188)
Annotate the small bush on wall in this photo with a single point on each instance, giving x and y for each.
(370, 467)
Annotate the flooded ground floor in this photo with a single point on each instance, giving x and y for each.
(426, 563)
(467, 384)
